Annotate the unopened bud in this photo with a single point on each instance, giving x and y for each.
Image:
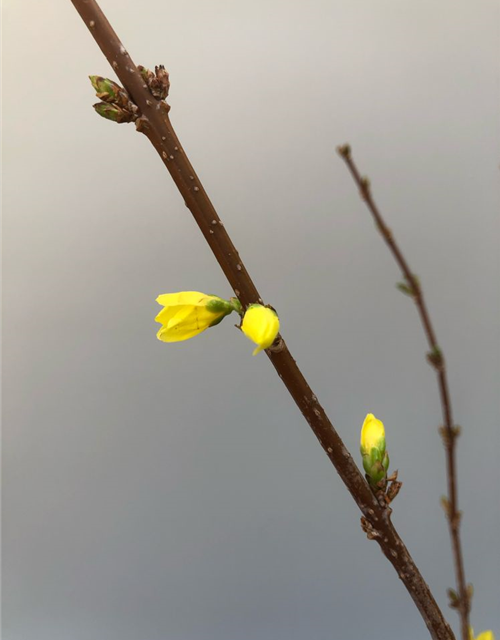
(372, 447)
(454, 600)
(108, 91)
(409, 287)
(445, 504)
(161, 84)
(114, 112)
(344, 151)
(435, 358)
(158, 82)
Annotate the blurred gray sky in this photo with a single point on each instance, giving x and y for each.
(174, 492)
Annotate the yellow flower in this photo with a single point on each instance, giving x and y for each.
(375, 457)
(372, 434)
(261, 325)
(188, 313)
(486, 635)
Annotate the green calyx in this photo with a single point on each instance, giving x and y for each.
(377, 451)
(220, 306)
(223, 308)
(376, 465)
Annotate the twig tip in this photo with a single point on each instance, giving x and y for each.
(344, 150)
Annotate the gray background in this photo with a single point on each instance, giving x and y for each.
(174, 492)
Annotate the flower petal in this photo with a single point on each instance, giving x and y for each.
(181, 315)
(178, 333)
(182, 298)
(195, 318)
(166, 314)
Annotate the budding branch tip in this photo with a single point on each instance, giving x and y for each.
(344, 150)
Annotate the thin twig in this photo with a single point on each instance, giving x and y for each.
(155, 124)
(435, 357)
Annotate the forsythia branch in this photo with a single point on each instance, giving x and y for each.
(449, 432)
(154, 122)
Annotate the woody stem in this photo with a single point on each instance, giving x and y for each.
(156, 125)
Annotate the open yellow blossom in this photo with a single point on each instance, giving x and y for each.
(187, 313)
(485, 635)
(260, 324)
(375, 457)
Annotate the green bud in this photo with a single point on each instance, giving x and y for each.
(409, 288)
(435, 358)
(454, 602)
(404, 288)
(108, 91)
(113, 112)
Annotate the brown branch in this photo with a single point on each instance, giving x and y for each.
(435, 357)
(155, 124)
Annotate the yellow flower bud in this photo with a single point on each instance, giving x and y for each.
(260, 324)
(188, 313)
(372, 434)
(372, 447)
